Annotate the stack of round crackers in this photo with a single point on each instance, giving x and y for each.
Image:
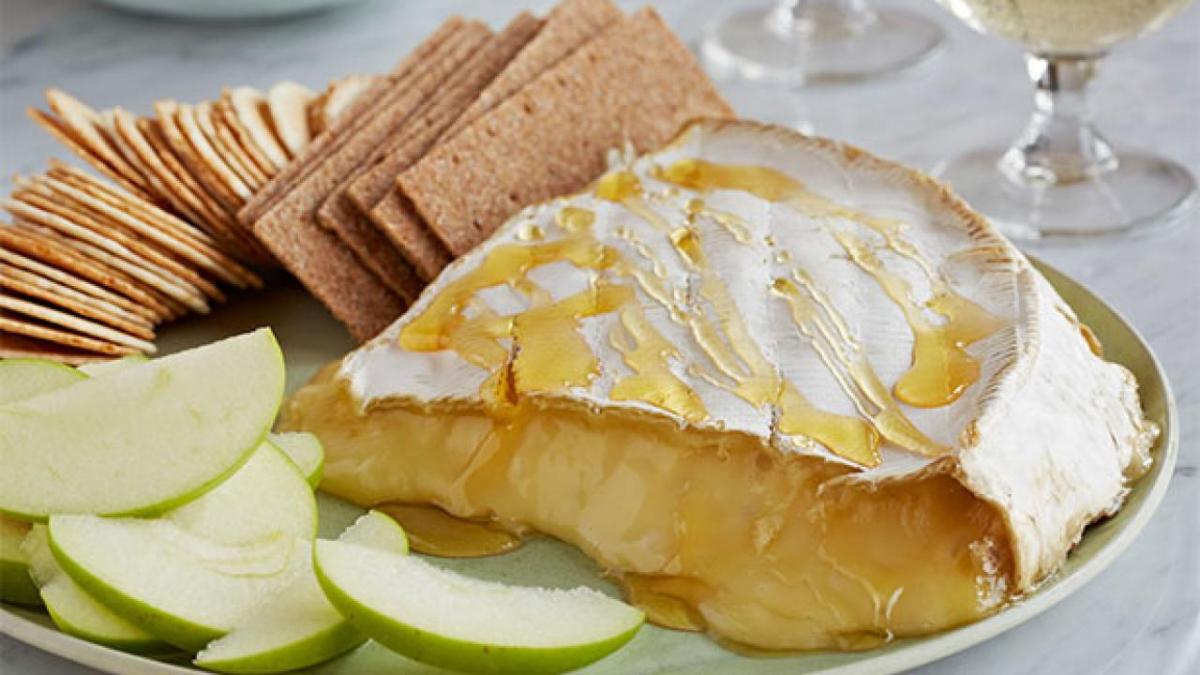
(89, 268)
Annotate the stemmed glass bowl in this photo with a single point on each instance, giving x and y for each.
(1061, 179)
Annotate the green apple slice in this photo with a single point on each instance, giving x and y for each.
(444, 619)
(267, 496)
(77, 613)
(144, 439)
(21, 379)
(298, 627)
(15, 583)
(173, 584)
(106, 367)
(305, 450)
(25, 378)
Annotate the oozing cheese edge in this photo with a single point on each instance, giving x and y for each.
(711, 531)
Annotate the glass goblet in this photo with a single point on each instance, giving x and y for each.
(1061, 179)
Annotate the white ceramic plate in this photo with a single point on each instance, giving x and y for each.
(310, 339)
(226, 10)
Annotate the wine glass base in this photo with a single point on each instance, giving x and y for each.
(742, 44)
(1144, 194)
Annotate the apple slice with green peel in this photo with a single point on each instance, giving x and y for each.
(25, 378)
(267, 496)
(77, 613)
(105, 367)
(298, 628)
(444, 619)
(143, 439)
(305, 450)
(15, 583)
(21, 379)
(173, 584)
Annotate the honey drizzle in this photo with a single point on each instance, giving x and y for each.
(844, 360)
(432, 531)
(940, 369)
(728, 343)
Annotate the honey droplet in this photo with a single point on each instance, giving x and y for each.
(531, 232)
(574, 219)
(432, 531)
(618, 186)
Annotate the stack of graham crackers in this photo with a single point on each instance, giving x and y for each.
(365, 192)
(88, 269)
(464, 132)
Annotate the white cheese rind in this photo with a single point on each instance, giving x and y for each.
(1046, 434)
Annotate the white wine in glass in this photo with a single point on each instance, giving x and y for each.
(798, 42)
(1061, 179)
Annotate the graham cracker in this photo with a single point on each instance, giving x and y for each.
(76, 284)
(634, 83)
(333, 274)
(570, 25)
(290, 229)
(395, 216)
(13, 346)
(375, 252)
(362, 109)
(27, 285)
(418, 134)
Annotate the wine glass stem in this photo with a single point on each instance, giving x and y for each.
(1060, 144)
(822, 17)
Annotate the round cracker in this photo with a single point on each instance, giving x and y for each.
(250, 107)
(68, 218)
(56, 254)
(287, 103)
(76, 284)
(14, 305)
(30, 286)
(156, 225)
(17, 324)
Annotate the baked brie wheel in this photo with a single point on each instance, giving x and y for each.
(786, 392)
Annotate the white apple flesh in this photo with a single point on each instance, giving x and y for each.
(299, 628)
(143, 439)
(77, 613)
(21, 379)
(305, 450)
(25, 378)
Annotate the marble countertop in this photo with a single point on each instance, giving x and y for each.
(1142, 615)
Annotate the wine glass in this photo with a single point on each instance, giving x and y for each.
(816, 41)
(1061, 179)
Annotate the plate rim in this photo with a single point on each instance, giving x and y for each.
(921, 651)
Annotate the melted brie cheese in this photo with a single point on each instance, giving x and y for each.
(786, 392)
